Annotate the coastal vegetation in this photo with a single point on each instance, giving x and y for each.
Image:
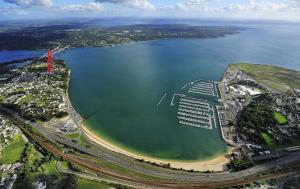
(73, 135)
(259, 123)
(257, 118)
(276, 78)
(84, 184)
(40, 166)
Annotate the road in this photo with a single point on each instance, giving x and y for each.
(283, 182)
(168, 178)
(55, 50)
(91, 177)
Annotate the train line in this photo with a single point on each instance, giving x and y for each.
(158, 177)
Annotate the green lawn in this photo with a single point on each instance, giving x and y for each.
(39, 122)
(280, 118)
(2, 98)
(26, 99)
(36, 165)
(64, 165)
(83, 140)
(268, 140)
(49, 168)
(13, 151)
(32, 156)
(38, 68)
(19, 89)
(73, 135)
(88, 184)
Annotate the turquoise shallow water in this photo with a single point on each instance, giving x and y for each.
(117, 88)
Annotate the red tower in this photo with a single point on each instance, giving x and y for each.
(50, 59)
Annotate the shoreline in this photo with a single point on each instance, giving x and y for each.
(217, 163)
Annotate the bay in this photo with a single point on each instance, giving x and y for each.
(117, 88)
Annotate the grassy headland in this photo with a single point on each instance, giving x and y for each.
(279, 79)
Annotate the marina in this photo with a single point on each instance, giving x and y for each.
(201, 87)
(195, 113)
(194, 109)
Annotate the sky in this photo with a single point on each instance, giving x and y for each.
(228, 9)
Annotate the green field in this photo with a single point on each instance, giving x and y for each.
(277, 78)
(64, 165)
(37, 162)
(83, 140)
(280, 118)
(48, 168)
(73, 135)
(26, 99)
(2, 98)
(88, 184)
(13, 151)
(40, 122)
(268, 140)
(38, 68)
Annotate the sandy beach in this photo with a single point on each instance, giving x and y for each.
(215, 164)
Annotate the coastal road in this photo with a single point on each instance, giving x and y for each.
(168, 178)
(104, 154)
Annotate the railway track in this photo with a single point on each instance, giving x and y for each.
(125, 179)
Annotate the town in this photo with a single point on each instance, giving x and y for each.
(35, 93)
(40, 96)
(256, 118)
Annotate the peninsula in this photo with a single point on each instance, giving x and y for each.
(81, 35)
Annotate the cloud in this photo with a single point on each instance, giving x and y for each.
(196, 2)
(295, 5)
(140, 4)
(29, 3)
(251, 5)
(7, 10)
(188, 5)
(12, 11)
(93, 6)
(254, 5)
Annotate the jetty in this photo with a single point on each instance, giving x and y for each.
(161, 100)
(201, 87)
